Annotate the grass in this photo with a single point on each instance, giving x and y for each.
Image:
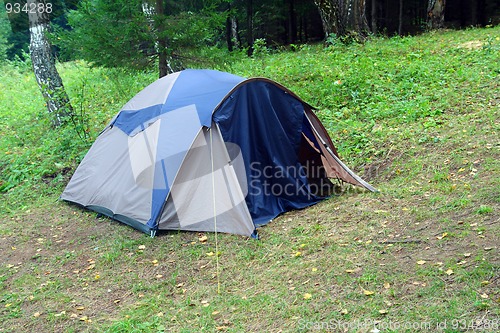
(418, 117)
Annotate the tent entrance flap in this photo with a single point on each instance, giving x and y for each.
(334, 166)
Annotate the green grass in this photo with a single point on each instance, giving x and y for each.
(417, 116)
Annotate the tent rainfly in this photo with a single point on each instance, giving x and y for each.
(204, 150)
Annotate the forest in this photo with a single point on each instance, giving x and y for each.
(408, 91)
(137, 33)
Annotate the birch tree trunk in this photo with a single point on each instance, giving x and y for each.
(232, 36)
(343, 17)
(44, 65)
(435, 14)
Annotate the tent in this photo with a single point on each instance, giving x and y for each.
(204, 150)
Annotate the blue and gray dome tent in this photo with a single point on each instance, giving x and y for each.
(204, 150)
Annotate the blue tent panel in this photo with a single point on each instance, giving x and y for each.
(266, 123)
(203, 88)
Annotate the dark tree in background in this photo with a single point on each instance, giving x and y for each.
(250, 38)
(155, 13)
(44, 66)
(435, 14)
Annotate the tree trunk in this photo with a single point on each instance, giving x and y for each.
(292, 22)
(435, 14)
(328, 16)
(232, 35)
(250, 27)
(343, 17)
(151, 10)
(163, 63)
(44, 65)
(400, 23)
(374, 17)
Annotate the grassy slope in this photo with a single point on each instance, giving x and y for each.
(418, 117)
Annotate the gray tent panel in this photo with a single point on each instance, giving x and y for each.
(190, 205)
(105, 179)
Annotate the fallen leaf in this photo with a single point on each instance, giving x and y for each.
(467, 255)
(314, 269)
(203, 239)
(307, 296)
(142, 247)
(449, 271)
(179, 285)
(421, 262)
(215, 313)
(484, 295)
(84, 318)
(80, 308)
(159, 276)
(210, 254)
(116, 301)
(368, 292)
(383, 312)
(160, 314)
(60, 314)
(387, 285)
(36, 314)
(344, 311)
(442, 236)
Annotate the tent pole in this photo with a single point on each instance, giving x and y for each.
(215, 211)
